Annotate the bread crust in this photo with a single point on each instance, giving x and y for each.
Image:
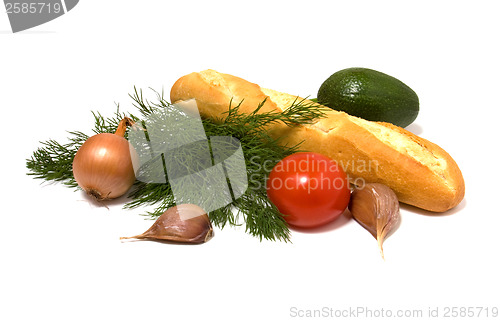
(420, 172)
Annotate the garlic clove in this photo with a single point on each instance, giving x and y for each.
(376, 208)
(184, 223)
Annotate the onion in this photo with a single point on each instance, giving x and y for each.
(104, 165)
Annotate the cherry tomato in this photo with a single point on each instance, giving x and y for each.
(310, 189)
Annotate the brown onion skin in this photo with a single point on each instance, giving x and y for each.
(103, 166)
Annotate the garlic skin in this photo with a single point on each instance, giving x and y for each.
(376, 208)
(184, 223)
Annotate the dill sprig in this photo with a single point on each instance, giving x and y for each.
(53, 161)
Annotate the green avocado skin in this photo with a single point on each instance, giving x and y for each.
(371, 95)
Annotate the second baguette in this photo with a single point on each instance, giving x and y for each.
(421, 173)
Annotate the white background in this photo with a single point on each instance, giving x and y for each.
(60, 256)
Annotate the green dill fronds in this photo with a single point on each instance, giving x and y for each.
(53, 161)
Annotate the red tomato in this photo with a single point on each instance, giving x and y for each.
(310, 189)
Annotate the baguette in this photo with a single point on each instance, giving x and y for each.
(421, 173)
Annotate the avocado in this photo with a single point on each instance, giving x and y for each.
(371, 95)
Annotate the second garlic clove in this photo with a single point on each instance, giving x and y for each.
(376, 208)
